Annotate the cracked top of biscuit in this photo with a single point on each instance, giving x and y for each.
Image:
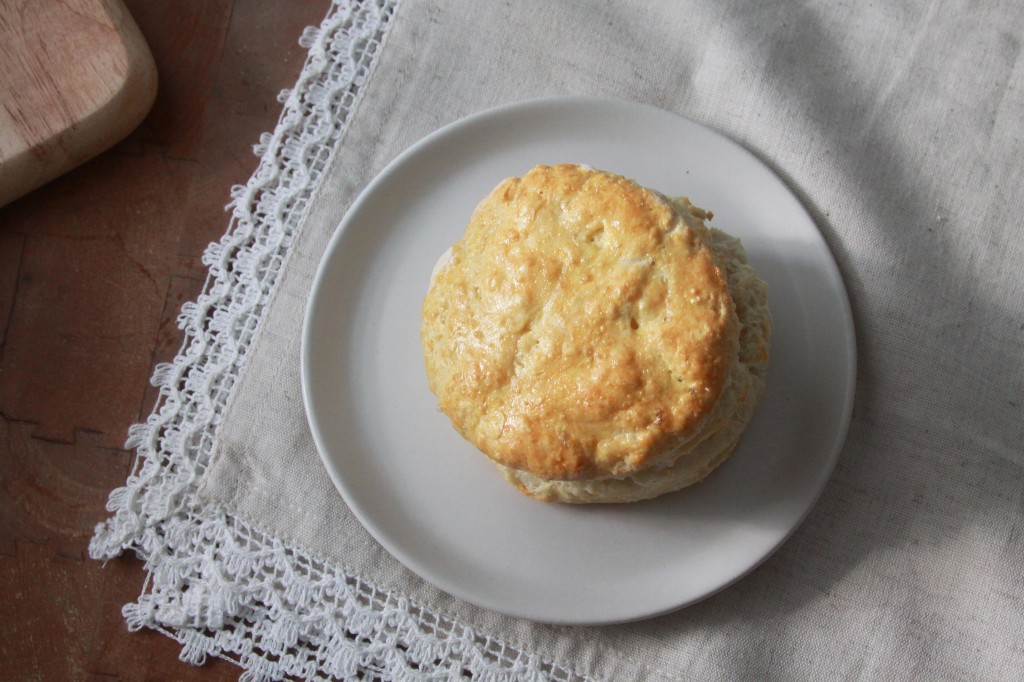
(581, 327)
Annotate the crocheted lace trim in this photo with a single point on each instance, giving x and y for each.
(215, 584)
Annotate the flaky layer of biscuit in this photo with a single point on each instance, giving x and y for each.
(581, 329)
(723, 430)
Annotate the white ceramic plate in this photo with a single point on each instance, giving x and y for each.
(438, 505)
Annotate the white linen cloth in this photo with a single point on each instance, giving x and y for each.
(898, 124)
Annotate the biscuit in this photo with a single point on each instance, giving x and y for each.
(594, 338)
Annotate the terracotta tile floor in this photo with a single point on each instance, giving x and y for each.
(93, 270)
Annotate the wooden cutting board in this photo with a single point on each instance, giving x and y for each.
(76, 76)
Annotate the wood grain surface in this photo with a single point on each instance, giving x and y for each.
(94, 267)
(76, 76)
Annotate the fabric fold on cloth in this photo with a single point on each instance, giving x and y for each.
(899, 128)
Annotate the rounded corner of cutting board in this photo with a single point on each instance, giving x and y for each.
(64, 107)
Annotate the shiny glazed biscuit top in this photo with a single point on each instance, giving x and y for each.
(580, 328)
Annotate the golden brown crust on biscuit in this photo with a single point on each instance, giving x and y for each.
(723, 429)
(582, 327)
